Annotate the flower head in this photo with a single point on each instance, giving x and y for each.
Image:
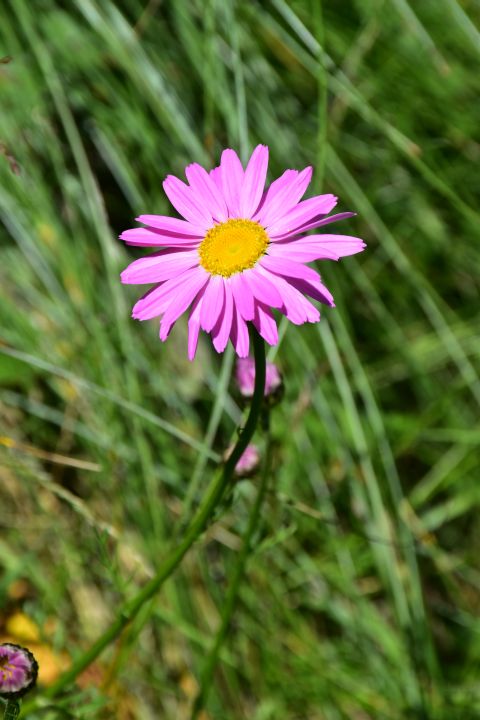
(240, 251)
(18, 671)
(245, 377)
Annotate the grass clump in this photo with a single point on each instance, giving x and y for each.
(362, 596)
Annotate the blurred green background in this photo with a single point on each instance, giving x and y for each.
(363, 594)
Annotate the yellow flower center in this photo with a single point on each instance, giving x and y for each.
(232, 246)
(6, 670)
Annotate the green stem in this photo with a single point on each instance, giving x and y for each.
(12, 710)
(212, 498)
(202, 458)
(233, 590)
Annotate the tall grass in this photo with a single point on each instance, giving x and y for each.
(362, 596)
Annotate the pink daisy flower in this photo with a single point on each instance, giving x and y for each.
(240, 251)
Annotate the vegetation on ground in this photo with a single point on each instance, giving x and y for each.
(362, 595)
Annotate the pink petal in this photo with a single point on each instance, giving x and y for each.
(317, 247)
(316, 290)
(287, 268)
(216, 175)
(341, 245)
(295, 306)
(156, 300)
(243, 296)
(184, 295)
(206, 192)
(148, 237)
(292, 305)
(263, 289)
(300, 252)
(296, 302)
(232, 179)
(212, 305)
(239, 334)
(273, 192)
(265, 324)
(288, 194)
(184, 201)
(319, 221)
(254, 181)
(222, 329)
(171, 225)
(302, 213)
(159, 267)
(152, 304)
(194, 326)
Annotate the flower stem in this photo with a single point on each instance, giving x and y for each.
(233, 590)
(202, 458)
(12, 710)
(199, 522)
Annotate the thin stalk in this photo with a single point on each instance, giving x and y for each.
(212, 498)
(239, 80)
(212, 427)
(12, 710)
(233, 590)
(322, 80)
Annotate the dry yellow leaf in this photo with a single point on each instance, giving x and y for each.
(23, 628)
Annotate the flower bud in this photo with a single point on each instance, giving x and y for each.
(18, 671)
(248, 463)
(245, 376)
